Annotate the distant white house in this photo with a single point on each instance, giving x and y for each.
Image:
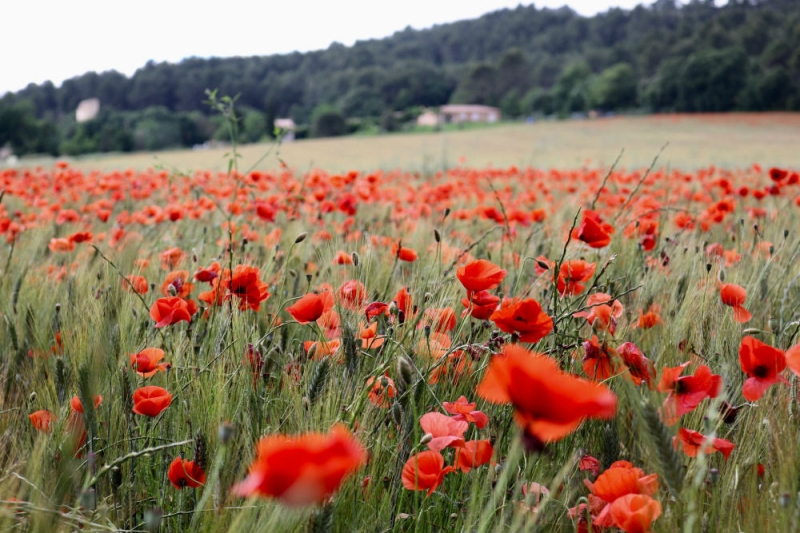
(288, 126)
(87, 109)
(459, 113)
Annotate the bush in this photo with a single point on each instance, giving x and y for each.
(327, 122)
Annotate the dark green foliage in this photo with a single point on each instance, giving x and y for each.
(327, 122)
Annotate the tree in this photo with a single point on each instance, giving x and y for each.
(327, 121)
(616, 87)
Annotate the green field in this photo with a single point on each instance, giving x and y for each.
(735, 140)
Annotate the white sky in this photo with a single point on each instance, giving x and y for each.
(59, 39)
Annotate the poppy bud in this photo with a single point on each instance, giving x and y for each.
(356, 259)
(785, 233)
(437, 236)
(542, 264)
(396, 413)
(404, 372)
(172, 290)
(300, 238)
(446, 212)
(721, 275)
(708, 267)
(426, 438)
(713, 476)
(152, 519)
(225, 432)
(312, 351)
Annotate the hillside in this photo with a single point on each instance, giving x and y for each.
(695, 58)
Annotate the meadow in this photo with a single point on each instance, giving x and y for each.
(373, 342)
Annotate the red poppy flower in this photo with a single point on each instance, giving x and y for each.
(474, 454)
(440, 320)
(480, 275)
(639, 366)
(464, 410)
(61, 244)
(600, 315)
(343, 258)
(572, 275)
(445, 431)
(150, 400)
(691, 441)
(734, 296)
(139, 284)
(369, 336)
(651, 318)
(403, 302)
(593, 230)
(147, 362)
(209, 274)
(381, 391)
(375, 309)
(184, 473)
(777, 174)
(589, 463)
(42, 420)
(304, 469)
(77, 406)
(82, 236)
(619, 480)
(635, 513)
(599, 361)
(352, 294)
(762, 364)
(480, 305)
(523, 317)
(425, 471)
(686, 392)
(561, 402)
(793, 359)
(245, 283)
(178, 281)
(171, 258)
(404, 254)
(307, 309)
(169, 311)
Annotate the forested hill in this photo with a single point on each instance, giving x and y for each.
(697, 57)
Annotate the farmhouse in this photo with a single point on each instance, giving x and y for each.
(468, 113)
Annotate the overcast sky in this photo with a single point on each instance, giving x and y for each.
(56, 39)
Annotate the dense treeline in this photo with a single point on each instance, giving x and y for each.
(696, 57)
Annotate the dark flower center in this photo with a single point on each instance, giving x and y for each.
(761, 371)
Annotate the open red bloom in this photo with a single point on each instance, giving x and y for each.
(599, 361)
(734, 296)
(352, 294)
(548, 403)
(692, 441)
(572, 275)
(169, 311)
(523, 317)
(593, 230)
(304, 469)
(425, 471)
(307, 309)
(635, 513)
(403, 302)
(639, 366)
(651, 318)
(245, 283)
(178, 281)
(600, 315)
(464, 410)
(474, 454)
(183, 473)
(439, 319)
(147, 362)
(686, 392)
(42, 420)
(762, 364)
(381, 391)
(480, 275)
(139, 284)
(619, 480)
(480, 305)
(793, 359)
(445, 431)
(150, 400)
(171, 258)
(208, 274)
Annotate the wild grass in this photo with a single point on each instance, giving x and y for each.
(118, 481)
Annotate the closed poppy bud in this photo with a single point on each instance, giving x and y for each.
(300, 238)
(151, 400)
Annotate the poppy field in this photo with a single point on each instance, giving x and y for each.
(472, 349)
